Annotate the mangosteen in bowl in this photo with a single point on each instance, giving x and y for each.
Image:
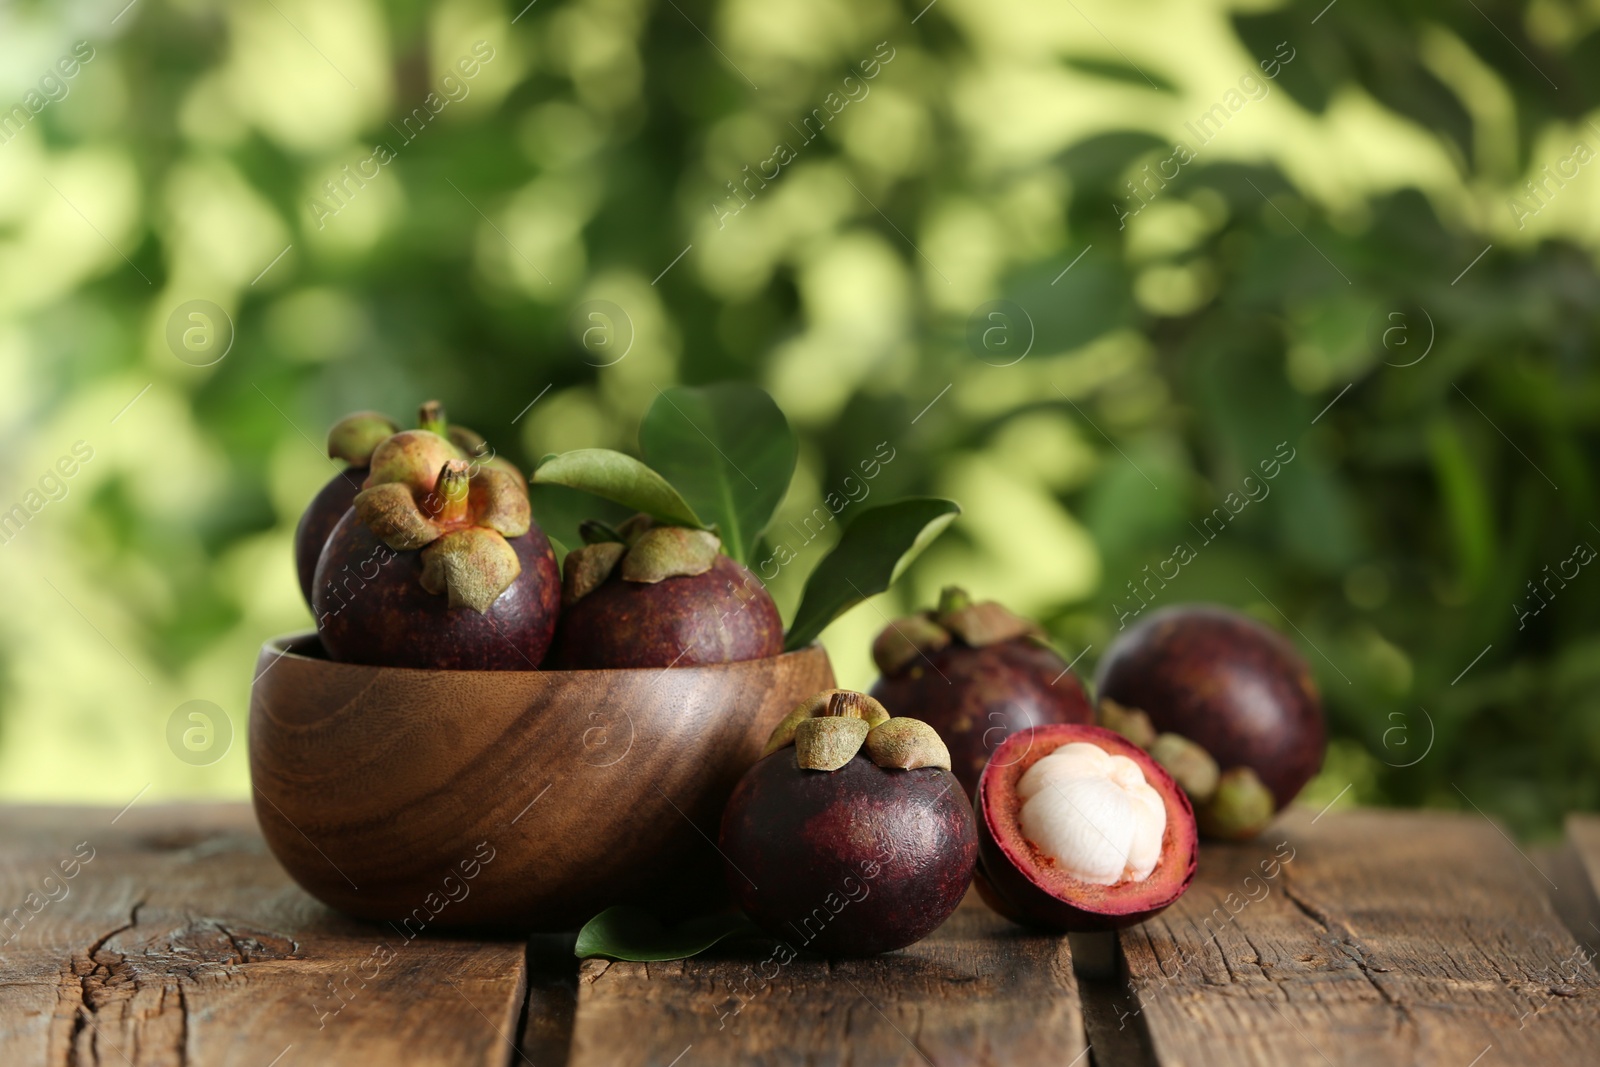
(649, 595)
(353, 439)
(438, 564)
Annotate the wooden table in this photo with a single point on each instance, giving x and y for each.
(170, 936)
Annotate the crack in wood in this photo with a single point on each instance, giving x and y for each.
(183, 1018)
(151, 958)
(91, 978)
(113, 987)
(1342, 940)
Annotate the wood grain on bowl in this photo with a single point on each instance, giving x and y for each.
(443, 799)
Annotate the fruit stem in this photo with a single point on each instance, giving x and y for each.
(449, 498)
(845, 703)
(430, 416)
(595, 532)
(953, 598)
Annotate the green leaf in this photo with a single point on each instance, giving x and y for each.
(628, 933)
(621, 478)
(560, 511)
(873, 552)
(559, 549)
(728, 449)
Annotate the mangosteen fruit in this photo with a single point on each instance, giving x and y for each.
(352, 439)
(438, 564)
(849, 837)
(1236, 689)
(648, 595)
(976, 673)
(1079, 829)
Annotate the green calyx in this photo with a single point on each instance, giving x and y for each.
(907, 640)
(412, 457)
(354, 437)
(441, 490)
(1131, 723)
(958, 617)
(663, 552)
(907, 744)
(842, 703)
(981, 623)
(646, 554)
(459, 517)
(829, 729)
(1240, 808)
(1190, 765)
(827, 744)
(586, 569)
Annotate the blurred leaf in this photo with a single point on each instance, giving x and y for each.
(620, 478)
(873, 552)
(628, 933)
(1085, 304)
(1319, 63)
(1101, 159)
(1121, 72)
(1466, 500)
(729, 450)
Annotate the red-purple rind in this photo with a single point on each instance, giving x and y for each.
(318, 520)
(1007, 888)
(377, 612)
(1231, 685)
(721, 616)
(850, 862)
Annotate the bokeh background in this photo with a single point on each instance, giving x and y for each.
(983, 250)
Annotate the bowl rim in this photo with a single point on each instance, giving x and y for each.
(291, 646)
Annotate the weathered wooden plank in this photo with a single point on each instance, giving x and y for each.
(977, 991)
(179, 940)
(1365, 937)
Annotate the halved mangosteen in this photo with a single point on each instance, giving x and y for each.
(1079, 829)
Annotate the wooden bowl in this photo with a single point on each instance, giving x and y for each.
(530, 799)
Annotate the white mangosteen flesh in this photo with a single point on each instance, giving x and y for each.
(1093, 814)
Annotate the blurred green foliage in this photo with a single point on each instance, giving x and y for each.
(602, 209)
